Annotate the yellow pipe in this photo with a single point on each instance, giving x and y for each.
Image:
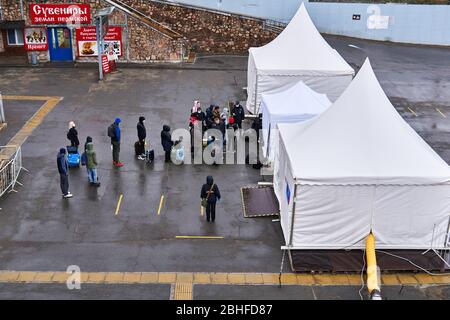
(372, 274)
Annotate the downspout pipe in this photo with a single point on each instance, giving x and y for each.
(372, 269)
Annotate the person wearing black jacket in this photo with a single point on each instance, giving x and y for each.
(63, 169)
(88, 140)
(142, 134)
(210, 190)
(72, 135)
(166, 142)
(238, 114)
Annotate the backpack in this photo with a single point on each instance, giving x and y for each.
(84, 159)
(111, 131)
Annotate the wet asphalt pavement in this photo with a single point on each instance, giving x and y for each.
(40, 231)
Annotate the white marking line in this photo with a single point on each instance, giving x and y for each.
(412, 111)
(441, 113)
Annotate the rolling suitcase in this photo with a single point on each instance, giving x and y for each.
(73, 157)
(150, 156)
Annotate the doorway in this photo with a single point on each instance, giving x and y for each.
(60, 44)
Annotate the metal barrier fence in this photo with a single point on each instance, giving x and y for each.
(10, 169)
(2, 113)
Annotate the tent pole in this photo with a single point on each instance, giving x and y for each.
(291, 235)
(256, 91)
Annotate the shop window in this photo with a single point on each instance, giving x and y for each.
(15, 37)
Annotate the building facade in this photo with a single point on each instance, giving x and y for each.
(138, 31)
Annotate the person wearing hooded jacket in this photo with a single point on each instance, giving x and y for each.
(142, 134)
(92, 164)
(211, 191)
(114, 134)
(63, 169)
(88, 140)
(166, 142)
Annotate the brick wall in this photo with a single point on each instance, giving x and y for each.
(207, 31)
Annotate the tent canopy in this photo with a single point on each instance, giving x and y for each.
(299, 49)
(296, 104)
(361, 139)
(298, 53)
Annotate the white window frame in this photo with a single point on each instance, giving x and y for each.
(16, 31)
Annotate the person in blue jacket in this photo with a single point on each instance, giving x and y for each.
(63, 169)
(114, 133)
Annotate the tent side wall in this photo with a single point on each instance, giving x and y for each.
(283, 179)
(411, 216)
(341, 216)
(329, 84)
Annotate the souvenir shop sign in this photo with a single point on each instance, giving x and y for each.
(87, 41)
(76, 13)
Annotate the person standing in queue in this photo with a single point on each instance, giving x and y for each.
(238, 114)
(63, 169)
(166, 142)
(92, 164)
(210, 192)
(72, 135)
(114, 133)
(142, 134)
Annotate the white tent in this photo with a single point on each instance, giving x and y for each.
(296, 104)
(359, 167)
(298, 53)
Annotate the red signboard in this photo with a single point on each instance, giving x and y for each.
(87, 41)
(105, 64)
(75, 13)
(35, 39)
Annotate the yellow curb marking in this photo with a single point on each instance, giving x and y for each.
(442, 114)
(132, 277)
(160, 204)
(202, 278)
(149, 277)
(218, 278)
(412, 111)
(118, 204)
(198, 237)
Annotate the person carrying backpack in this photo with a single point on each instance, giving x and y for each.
(114, 134)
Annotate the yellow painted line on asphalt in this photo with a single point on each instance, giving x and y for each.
(232, 278)
(29, 98)
(412, 111)
(198, 237)
(118, 204)
(442, 114)
(21, 136)
(160, 204)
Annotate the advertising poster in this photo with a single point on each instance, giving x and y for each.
(35, 39)
(87, 41)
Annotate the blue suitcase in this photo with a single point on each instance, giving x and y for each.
(73, 157)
